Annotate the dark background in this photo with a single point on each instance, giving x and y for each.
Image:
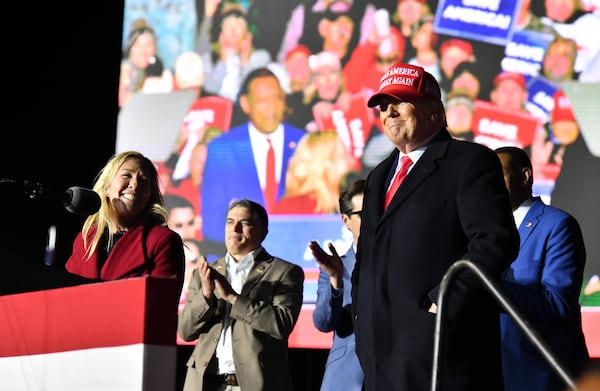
(59, 119)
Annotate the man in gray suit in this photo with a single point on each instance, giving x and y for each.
(242, 309)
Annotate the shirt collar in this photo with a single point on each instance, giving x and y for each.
(246, 261)
(257, 136)
(520, 213)
(413, 155)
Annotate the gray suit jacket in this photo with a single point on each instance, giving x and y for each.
(263, 316)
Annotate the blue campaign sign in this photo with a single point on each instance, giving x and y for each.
(289, 236)
(541, 97)
(482, 20)
(525, 52)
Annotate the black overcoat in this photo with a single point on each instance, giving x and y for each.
(452, 205)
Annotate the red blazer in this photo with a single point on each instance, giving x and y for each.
(144, 250)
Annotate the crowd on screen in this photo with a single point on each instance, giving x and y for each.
(328, 57)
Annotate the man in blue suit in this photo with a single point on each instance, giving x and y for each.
(544, 283)
(237, 160)
(332, 310)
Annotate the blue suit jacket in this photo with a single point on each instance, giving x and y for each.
(544, 283)
(230, 174)
(332, 313)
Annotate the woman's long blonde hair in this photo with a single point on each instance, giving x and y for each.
(310, 169)
(101, 219)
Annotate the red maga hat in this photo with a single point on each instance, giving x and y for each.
(404, 81)
(508, 75)
(298, 49)
(562, 110)
(459, 43)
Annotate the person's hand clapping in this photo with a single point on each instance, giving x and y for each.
(208, 283)
(330, 264)
(223, 288)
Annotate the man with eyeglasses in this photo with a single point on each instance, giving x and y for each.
(182, 216)
(451, 205)
(183, 219)
(332, 310)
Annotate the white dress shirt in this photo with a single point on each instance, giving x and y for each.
(260, 146)
(236, 275)
(413, 155)
(520, 213)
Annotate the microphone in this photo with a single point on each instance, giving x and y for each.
(81, 201)
(75, 199)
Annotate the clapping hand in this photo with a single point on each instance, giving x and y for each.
(223, 287)
(330, 264)
(205, 273)
(214, 282)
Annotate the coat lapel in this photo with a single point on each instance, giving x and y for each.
(220, 265)
(531, 219)
(262, 263)
(424, 167)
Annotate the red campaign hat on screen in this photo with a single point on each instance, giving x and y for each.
(562, 110)
(459, 43)
(405, 81)
(514, 76)
(298, 49)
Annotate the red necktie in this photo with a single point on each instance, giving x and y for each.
(271, 183)
(398, 178)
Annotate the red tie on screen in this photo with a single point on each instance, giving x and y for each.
(271, 182)
(398, 178)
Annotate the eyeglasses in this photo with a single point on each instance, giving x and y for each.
(181, 225)
(355, 212)
(386, 61)
(388, 100)
(383, 105)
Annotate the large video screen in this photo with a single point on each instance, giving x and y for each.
(512, 72)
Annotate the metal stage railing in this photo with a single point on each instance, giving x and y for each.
(440, 319)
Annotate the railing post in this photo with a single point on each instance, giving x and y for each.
(456, 268)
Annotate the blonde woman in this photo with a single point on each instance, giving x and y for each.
(128, 236)
(315, 174)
